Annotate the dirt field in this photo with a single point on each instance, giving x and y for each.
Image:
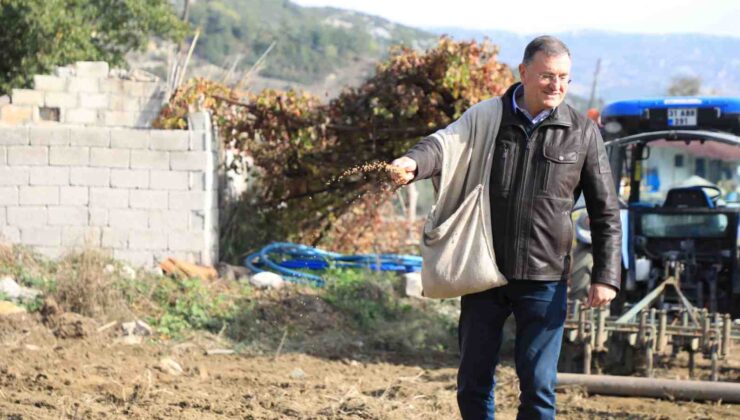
(96, 377)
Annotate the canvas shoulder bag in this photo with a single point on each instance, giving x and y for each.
(457, 243)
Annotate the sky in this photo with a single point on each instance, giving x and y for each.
(712, 17)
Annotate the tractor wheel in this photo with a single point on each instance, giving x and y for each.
(580, 279)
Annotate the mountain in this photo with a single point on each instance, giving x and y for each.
(632, 65)
(311, 44)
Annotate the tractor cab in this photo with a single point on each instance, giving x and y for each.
(676, 168)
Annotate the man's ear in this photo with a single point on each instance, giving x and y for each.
(522, 71)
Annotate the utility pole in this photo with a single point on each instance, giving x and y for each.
(592, 98)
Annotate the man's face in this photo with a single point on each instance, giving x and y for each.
(545, 80)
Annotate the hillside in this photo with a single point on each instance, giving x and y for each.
(311, 44)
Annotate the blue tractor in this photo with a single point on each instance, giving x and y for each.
(676, 167)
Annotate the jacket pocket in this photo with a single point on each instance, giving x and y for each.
(503, 167)
(557, 164)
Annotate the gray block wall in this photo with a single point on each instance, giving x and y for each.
(140, 194)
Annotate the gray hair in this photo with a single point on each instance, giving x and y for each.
(549, 45)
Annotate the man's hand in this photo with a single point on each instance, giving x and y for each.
(600, 295)
(407, 166)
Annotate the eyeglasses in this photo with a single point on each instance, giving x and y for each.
(550, 78)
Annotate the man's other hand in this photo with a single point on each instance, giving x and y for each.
(407, 166)
(600, 295)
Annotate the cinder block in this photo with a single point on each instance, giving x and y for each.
(16, 114)
(14, 176)
(135, 258)
(119, 118)
(186, 241)
(197, 222)
(68, 216)
(10, 234)
(49, 175)
(50, 252)
(151, 104)
(8, 196)
(44, 236)
(49, 136)
(188, 161)
(81, 236)
(197, 181)
(64, 100)
(30, 196)
(3, 216)
(188, 200)
(115, 238)
(133, 88)
(3, 156)
(81, 116)
(170, 140)
(28, 155)
(167, 220)
(128, 219)
(49, 83)
(73, 196)
(110, 158)
(27, 97)
(129, 138)
(112, 85)
(90, 136)
(84, 85)
(90, 177)
(150, 89)
(129, 178)
(169, 180)
(94, 69)
(145, 119)
(109, 198)
(27, 216)
(145, 159)
(123, 102)
(198, 140)
(146, 239)
(14, 136)
(148, 199)
(94, 100)
(98, 216)
(69, 156)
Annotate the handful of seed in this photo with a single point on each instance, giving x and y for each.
(388, 172)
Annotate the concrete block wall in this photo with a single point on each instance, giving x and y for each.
(139, 194)
(87, 93)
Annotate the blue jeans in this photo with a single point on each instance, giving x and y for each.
(539, 309)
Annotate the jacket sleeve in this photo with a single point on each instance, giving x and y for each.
(428, 156)
(603, 211)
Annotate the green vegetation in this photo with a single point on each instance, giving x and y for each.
(310, 42)
(39, 34)
(356, 308)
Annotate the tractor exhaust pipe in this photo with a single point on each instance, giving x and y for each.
(651, 387)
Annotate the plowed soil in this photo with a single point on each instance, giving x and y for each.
(100, 377)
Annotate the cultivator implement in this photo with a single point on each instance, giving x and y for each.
(631, 342)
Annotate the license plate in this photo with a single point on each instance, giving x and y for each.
(681, 117)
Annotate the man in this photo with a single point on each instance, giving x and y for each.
(545, 155)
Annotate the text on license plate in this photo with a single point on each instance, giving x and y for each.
(681, 116)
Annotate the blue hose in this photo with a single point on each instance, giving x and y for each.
(296, 256)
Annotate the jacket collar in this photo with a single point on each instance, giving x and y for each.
(559, 116)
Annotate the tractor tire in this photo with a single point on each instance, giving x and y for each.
(580, 279)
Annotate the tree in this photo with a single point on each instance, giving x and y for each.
(302, 148)
(39, 34)
(684, 86)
